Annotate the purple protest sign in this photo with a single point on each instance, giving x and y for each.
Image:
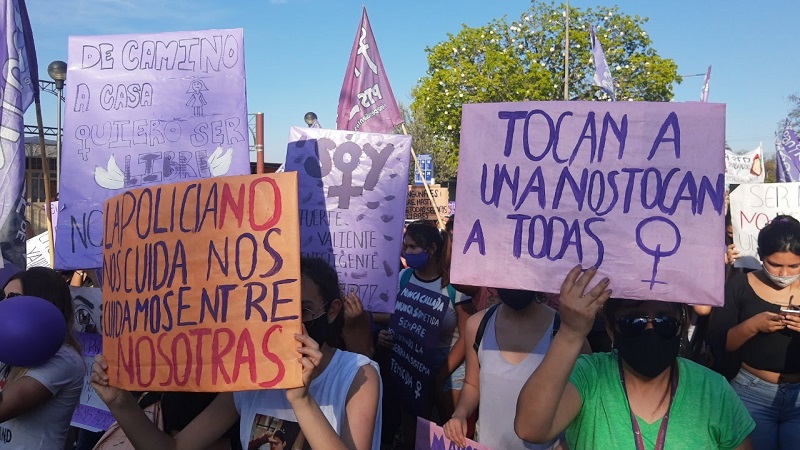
(414, 326)
(431, 437)
(91, 414)
(366, 102)
(352, 190)
(635, 189)
(144, 110)
(19, 86)
(787, 150)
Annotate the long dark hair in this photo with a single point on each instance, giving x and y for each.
(48, 284)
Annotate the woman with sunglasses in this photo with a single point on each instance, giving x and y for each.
(640, 396)
(36, 403)
(760, 327)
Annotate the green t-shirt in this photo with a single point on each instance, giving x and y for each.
(706, 413)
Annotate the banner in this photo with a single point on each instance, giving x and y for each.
(143, 110)
(431, 437)
(366, 102)
(352, 199)
(635, 189)
(706, 81)
(786, 171)
(426, 164)
(753, 206)
(19, 86)
(415, 330)
(602, 74)
(201, 287)
(419, 206)
(787, 149)
(744, 167)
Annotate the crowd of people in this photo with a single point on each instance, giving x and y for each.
(510, 369)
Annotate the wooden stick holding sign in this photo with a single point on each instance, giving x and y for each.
(201, 285)
(425, 183)
(46, 177)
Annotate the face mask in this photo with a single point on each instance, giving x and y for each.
(519, 299)
(417, 260)
(780, 280)
(648, 353)
(319, 329)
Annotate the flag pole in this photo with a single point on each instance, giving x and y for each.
(566, 59)
(46, 176)
(425, 183)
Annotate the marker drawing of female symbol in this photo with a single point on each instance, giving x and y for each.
(657, 232)
(196, 101)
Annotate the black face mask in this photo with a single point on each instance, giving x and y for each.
(518, 299)
(319, 329)
(648, 353)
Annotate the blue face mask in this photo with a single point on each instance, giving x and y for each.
(417, 260)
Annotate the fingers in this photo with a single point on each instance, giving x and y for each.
(306, 340)
(569, 281)
(456, 430)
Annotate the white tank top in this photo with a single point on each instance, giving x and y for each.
(501, 383)
(264, 412)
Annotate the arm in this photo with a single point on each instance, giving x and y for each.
(456, 356)
(208, 427)
(20, 396)
(361, 408)
(548, 402)
(357, 331)
(456, 428)
(765, 322)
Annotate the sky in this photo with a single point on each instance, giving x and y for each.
(296, 51)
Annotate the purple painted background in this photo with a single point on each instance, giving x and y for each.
(352, 206)
(145, 110)
(19, 87)
(366, 102)
(648, 213)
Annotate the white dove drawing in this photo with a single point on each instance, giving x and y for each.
(111, 177)
(219, 163)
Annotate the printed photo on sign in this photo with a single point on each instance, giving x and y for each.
(269, 433)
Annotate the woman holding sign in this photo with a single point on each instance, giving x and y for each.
(640, 396)
(760, 322)
(337, 408)
(37, 403)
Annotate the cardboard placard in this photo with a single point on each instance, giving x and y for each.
(419, 206)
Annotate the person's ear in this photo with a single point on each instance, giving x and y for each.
(334, 309)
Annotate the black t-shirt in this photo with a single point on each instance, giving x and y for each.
(776, 352)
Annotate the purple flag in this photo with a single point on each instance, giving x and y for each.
(787, 150)
(704, 94)
(19, 86)
(602, 75)
(145, 110)
(366, 102)
(352, 189)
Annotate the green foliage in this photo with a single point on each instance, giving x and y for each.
(524, 60)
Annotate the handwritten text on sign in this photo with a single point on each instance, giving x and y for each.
(636, 189)
(201, 285)
(753, 206)
(143, 110)
(420, 207)
(352, 198)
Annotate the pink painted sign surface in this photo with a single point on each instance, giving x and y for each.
(634, 188)
(431, 437)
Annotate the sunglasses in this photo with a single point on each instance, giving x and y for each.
(632, 326)
(4, 296)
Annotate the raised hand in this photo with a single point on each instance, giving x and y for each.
(310, 358)
(578, 307)
(99, 378)
(353, 308)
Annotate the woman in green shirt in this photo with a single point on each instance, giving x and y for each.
(641, 396)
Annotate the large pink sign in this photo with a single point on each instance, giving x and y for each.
(635, 189)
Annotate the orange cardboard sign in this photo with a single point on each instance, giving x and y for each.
(201, 288)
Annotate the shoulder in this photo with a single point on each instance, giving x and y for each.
(595, 366)
(697, 375)
(67, 361)
(738, 282)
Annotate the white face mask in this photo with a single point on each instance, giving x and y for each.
(780, 280)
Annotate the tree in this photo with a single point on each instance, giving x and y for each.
(524, 60)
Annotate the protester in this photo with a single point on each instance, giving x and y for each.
(504, 345)
(423, 247)
(641, 394)
(37, 403)
(338, 407)
(759, 329)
